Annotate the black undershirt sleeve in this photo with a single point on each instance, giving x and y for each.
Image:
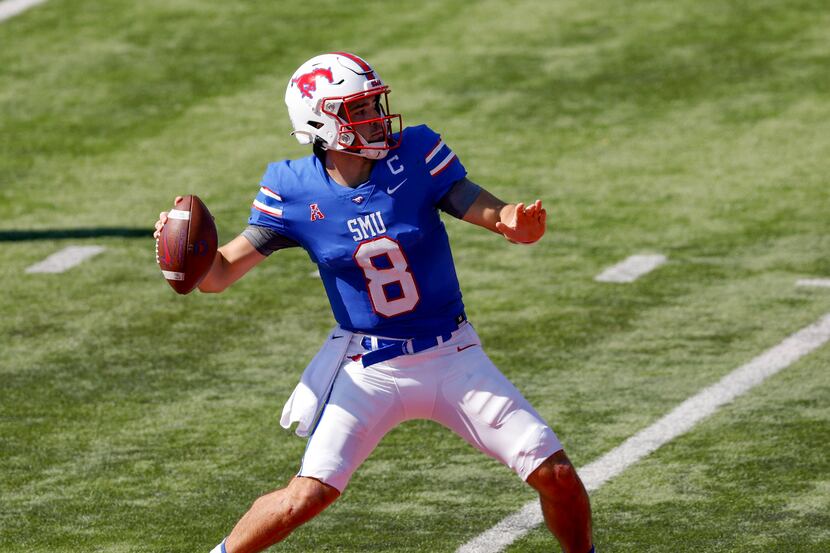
(267, 241)
(459, 198)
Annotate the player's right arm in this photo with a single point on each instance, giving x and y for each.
(266, 233)
(231, 262)
(242, 254)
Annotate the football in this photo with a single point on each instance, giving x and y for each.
(187, 244)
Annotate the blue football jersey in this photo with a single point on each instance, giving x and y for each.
(381, 248)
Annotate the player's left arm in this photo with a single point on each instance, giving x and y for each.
(518, 223)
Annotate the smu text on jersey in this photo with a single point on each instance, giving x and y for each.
(381, 249)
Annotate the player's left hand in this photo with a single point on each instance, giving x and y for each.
(526, 226)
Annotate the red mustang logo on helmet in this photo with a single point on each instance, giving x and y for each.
(307, 82)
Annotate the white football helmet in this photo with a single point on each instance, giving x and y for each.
(319, 96)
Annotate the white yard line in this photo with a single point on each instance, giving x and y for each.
(65, 259)
(822, 282)
(631, 268)
(10, 8)
(679, 421)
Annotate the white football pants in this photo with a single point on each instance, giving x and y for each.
(454, 384)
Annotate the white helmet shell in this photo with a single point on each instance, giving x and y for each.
(322, 86)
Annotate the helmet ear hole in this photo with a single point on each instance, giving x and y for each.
(315, 124)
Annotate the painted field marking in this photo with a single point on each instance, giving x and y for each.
(10, 8)
(631, 268)
(65, 259)
(679, 421)
(822, 282)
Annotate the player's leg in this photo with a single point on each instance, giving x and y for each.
(363, 406)
(481, 405)
(275, 515)
(565, 503)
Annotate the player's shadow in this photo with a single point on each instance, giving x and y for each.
(69, 233)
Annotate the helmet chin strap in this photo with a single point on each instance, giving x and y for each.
(368, 153)
(374, 154)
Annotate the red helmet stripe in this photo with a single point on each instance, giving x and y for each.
(363, 65)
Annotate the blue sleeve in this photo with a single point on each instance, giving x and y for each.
(267, 207)
(443, 165)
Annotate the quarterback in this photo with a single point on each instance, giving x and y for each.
(365, 207)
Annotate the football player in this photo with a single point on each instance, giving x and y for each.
(365, 206)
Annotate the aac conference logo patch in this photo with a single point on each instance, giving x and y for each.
(316, 213)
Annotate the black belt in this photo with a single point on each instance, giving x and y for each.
(389, 348)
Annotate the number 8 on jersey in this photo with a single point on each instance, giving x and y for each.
(379, 280)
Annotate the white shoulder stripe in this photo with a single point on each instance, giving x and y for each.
(435, 151)
(270, 193)
(267, 209)
(440, 167)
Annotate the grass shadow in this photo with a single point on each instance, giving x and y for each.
(60, 234)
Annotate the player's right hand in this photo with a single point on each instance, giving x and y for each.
(163, 219)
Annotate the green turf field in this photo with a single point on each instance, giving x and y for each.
(135, 420)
